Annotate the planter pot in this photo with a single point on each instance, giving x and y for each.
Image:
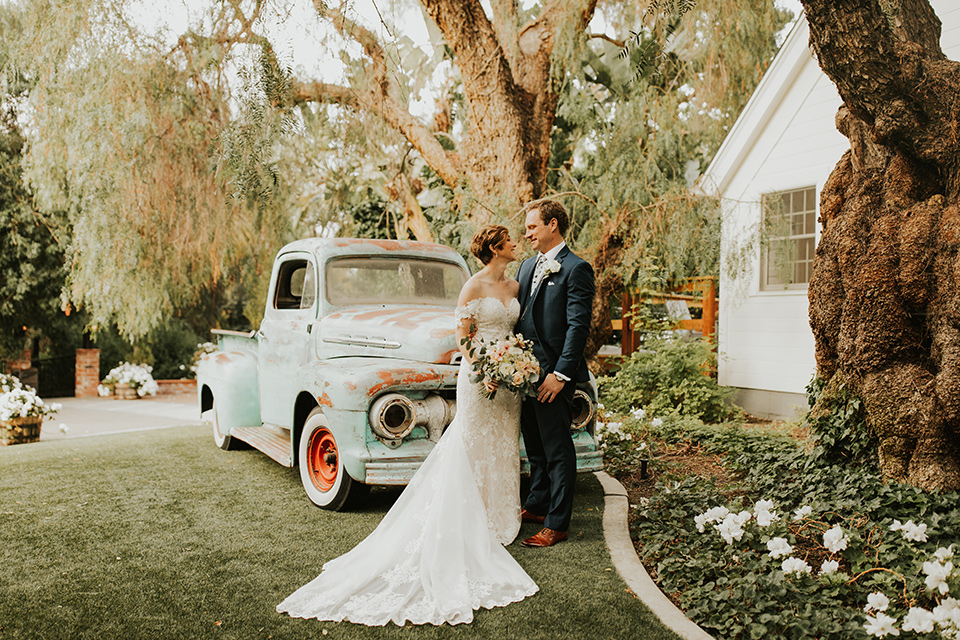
(20, 430)
(125, 392)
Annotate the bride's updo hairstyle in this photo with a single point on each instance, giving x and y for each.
(486, 240)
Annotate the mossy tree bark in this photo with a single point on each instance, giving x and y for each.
(885, 291)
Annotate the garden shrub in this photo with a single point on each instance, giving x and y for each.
(668, 376)
(800, 545)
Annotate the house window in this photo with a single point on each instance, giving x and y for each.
(790, 229)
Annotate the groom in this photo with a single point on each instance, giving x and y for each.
(556, 301)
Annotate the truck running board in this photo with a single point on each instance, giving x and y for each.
(273, 441)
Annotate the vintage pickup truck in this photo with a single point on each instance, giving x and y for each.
(352, 374)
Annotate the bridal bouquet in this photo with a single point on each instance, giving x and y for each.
(510, 362)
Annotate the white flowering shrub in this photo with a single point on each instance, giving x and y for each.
(18, 400)
(625, 441)
(137, 376)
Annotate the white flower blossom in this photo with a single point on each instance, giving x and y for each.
(881, 625)
(918, 619)
(947, 612)
(911, 530)
(802, 512)
(639, 414)
(765, 517)
(795, 566)
(828, 567)
(656, 422)
(835, 540)
(64, 428)
(943, 554)
(732, 526)
(710, 516)
(937, 574)
(877, 601)
(643, 446)
(779, 547)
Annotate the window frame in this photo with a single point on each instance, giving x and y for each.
(768, 247)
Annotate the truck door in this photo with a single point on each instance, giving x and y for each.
(284, 338)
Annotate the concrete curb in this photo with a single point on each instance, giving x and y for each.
(616, 532)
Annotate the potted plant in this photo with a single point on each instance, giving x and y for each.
(129, 381)
(21, 412)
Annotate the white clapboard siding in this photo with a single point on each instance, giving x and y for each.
(785, 139)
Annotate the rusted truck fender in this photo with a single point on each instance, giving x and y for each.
(345, 388)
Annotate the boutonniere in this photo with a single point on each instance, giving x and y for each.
(550, 267)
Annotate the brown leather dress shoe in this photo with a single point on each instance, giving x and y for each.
(526, 516)
(545, 538)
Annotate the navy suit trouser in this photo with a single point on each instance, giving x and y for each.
(552, 456)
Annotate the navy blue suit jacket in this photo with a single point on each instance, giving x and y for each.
(557, 315)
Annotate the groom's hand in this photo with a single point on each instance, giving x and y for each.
(552, 385)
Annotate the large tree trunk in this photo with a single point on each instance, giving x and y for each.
(508, 84)
(885, 291)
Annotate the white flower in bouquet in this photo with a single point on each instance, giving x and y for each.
(510, 362)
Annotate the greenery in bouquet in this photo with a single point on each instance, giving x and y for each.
(510, 362)
(137, 376)
(18, 400)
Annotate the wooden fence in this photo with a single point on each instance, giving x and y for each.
(698, 293)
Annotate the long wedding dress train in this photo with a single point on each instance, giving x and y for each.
(438, 553)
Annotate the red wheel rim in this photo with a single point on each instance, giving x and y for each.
(322, 459)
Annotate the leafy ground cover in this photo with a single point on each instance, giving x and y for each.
(757, 530)
(160, 534)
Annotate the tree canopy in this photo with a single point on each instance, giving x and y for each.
(184, 159)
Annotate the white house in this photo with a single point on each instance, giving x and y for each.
(776, 158)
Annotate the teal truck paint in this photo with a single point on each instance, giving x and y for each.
(352, 374)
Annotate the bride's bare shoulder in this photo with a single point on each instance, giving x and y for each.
(472, 289)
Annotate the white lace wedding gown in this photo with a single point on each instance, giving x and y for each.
(438, 553)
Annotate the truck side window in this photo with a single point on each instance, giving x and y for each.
(296, 286)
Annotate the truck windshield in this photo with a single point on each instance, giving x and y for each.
(393, 281)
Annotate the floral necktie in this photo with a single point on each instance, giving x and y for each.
(538, 271)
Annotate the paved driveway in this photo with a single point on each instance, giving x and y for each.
(82, 417)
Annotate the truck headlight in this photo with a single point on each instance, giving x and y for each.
(394, 415)
(582, 410)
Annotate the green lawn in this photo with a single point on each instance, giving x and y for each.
(159, 534)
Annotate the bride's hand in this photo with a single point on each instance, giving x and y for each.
(491, 385)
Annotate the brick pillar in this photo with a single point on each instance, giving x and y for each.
(88, 372)
(20, 364)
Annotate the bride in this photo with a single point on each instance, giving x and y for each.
(438, 553)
